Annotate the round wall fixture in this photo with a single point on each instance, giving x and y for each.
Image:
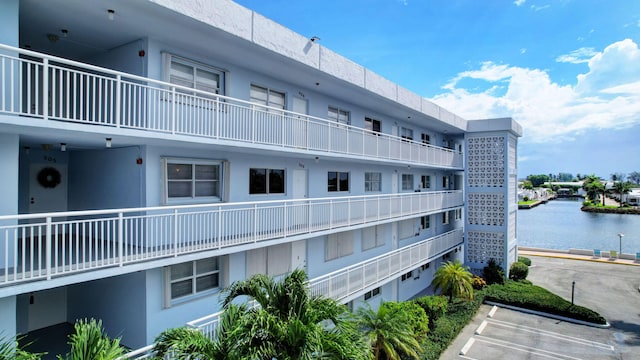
(49, 177)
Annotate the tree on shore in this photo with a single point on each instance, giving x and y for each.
(622, 188)
(594, 187)
(634, 177)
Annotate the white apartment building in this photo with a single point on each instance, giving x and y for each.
(153, 152)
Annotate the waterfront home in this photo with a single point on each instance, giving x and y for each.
(153, 152)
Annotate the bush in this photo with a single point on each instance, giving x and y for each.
(526, 198)
(434, 306)
(478, 283)
(419, 319)
(524, 260)
(446, 328)
(493, 273)
(518, 271)
(525, 295)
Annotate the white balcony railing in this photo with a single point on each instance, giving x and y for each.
(52, 88)
(42, 246)
(354, 279)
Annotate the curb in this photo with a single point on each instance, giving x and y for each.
(551, 316)
(568, 257)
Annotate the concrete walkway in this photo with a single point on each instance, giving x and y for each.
(624, 259)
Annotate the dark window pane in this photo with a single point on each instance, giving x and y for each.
(179, 171)
(180, 271)
(206, 282)
(206, 265)
(276, 181)
(344, 181)
(332, 181)
(206, 172)
(257, 181)
(179, 189)
(206, 188)
(181, 288)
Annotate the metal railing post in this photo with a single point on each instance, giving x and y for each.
(175, 232)
(48, 247)
(121, 238)
(45, 89)
(118, 99)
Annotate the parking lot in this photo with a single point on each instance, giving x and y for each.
(610, 289)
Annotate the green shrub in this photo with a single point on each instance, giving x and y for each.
(525, 295)
(524, 260)
(434, 306)
(518, 271)
(526, 198)
(493, 273)
(459, 313)
(419, 319)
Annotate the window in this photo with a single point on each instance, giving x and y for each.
(339, 245)
(407, 181)
(407, 229)
(193, 75)
(425, 222)
(372, 181)
(445, 182)
(372, 125)
(424, 267)
(426, 138)
(407, 276)
(445, 217)
(338, 115)
(192, 277)
(266, 181)
(458, 214)
(264, 96)
(406, 133)
(373, 237)
(192, 180)
(425, 181)
(369, 294)
(337, 181)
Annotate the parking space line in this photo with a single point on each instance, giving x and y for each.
(527, 349)
(577, 340)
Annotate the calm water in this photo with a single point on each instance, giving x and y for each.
(560, 224)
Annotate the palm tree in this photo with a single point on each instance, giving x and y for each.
(289, 323)
(90, 342)
(454, 280)
(622, 188)
(11, 350)
(594, 187)
(387, 333)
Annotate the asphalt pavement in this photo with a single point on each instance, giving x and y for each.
(608, 287)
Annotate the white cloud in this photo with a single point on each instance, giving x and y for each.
(519, 2)
(578, 56)
(547, 110)
(617, 65)
(539, 8)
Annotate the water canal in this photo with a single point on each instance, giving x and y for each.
(561, 225)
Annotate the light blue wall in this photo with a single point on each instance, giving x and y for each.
(9, 152)
(118, 301)
(9, 22)
(8, 316)
(103, 179)
(124, 58)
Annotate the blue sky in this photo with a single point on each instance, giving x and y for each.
(567, 70)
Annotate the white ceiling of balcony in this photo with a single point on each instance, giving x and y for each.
(91, 32)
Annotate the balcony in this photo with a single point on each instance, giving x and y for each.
(343, 284)
(45, 246)
(55, 89)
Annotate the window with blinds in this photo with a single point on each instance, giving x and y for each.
(194, 75)
(268, 97)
